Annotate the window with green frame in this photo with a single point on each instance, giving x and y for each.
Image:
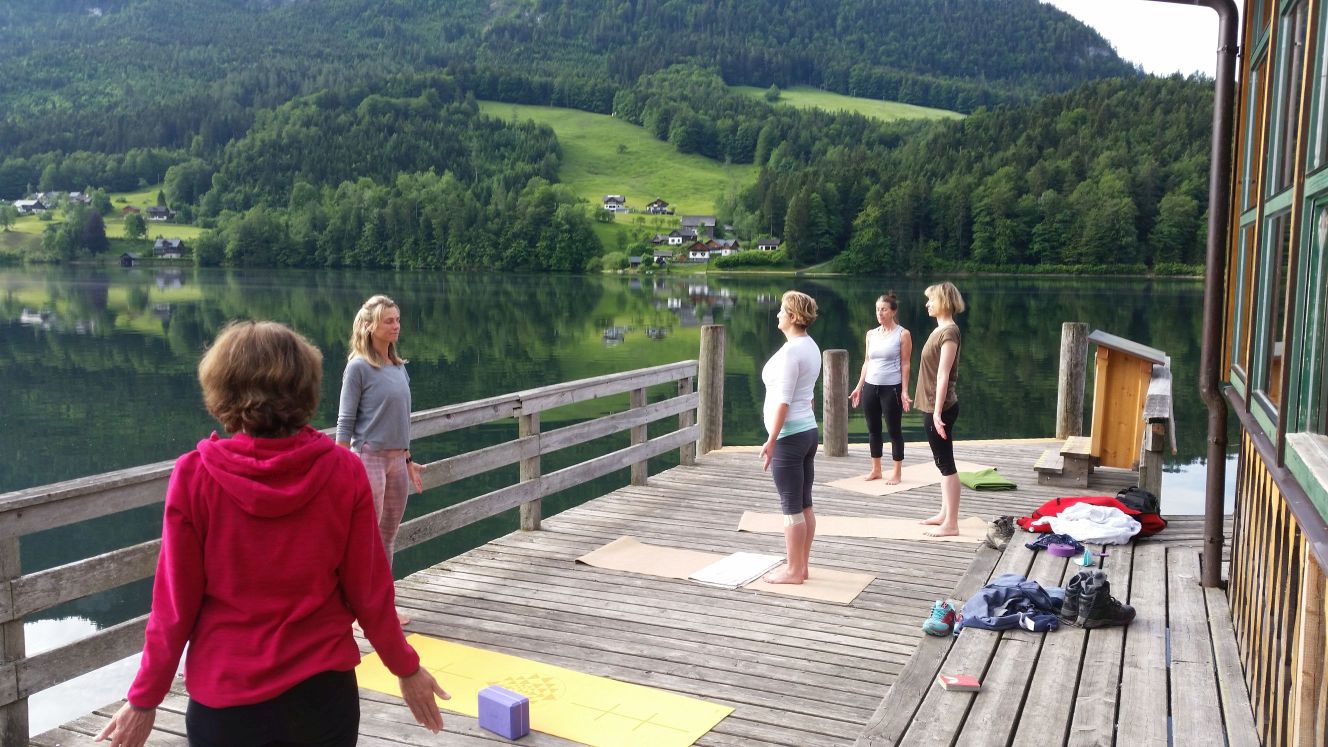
(1242, 309)
(1270, 322)
(1284, 127)
(1308, 408)
(1318, 146)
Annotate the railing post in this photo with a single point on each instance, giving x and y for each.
(710, 380)
(13, 716)
(687, 452)
(834, 404)
(1150, 458)
(641, 469)
(531, 511)
(1070, 391)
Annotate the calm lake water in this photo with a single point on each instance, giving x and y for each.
(97, 367)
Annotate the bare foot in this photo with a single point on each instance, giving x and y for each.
(943, 532)
(894, 479)
(783, 576)
(933, 521)
(874, 476)
(402, 617)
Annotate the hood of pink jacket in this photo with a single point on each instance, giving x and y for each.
(269, 477)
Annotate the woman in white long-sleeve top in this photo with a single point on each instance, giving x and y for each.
(789, 452)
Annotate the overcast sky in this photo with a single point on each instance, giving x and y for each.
(1162, 37)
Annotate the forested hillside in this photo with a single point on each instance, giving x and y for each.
(346, 132)
(109, 75)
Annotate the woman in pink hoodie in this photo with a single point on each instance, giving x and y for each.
(270, 550)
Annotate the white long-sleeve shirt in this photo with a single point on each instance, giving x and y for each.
(790, 379)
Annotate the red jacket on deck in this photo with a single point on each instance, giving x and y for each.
(270, 549)
(1149, 523)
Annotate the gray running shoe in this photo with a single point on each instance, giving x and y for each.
(999, 532)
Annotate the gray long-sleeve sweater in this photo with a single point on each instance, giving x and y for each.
(375, 406)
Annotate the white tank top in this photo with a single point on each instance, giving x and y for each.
(883, 357)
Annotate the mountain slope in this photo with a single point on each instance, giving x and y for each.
(107, 75)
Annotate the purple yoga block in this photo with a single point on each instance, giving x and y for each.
(504, 712)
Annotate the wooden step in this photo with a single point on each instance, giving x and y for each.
(1066, 465)
(1050, 461)
(1080, 446)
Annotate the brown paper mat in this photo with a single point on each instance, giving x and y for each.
(915, 476)
(971, 529)
(822, 584)
(628, 554)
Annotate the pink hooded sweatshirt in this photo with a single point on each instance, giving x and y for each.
(269, 550)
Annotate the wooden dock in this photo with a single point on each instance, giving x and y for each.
(798, 673)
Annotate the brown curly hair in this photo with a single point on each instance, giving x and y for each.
(261, 378)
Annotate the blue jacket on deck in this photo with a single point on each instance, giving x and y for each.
(1009, 597)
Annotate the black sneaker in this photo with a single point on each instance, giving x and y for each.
(1070, 607)
(1097, 608)
(999, 532)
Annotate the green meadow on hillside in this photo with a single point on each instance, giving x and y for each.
(806, 97)
(603, 155)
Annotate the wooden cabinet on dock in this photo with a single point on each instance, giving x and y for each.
(1123, 373)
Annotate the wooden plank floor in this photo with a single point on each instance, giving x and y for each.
(797, 673)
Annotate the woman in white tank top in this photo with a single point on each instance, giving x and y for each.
(884, 382)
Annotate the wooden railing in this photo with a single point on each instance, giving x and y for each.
(1279, 608)
(38, 509)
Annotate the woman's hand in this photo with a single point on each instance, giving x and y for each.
(940, 424)
(129, 727)
(855, 396)
(416, 475)
(904, 402)
(767, 451)
(418, 691)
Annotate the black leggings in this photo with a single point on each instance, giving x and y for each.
(942, 449)
(323, 710)
(885, 399)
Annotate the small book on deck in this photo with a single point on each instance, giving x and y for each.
(959, 682)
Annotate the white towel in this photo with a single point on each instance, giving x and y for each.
(1105, 525)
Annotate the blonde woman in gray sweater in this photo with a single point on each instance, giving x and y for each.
(373, 419)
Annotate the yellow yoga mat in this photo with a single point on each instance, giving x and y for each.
(597, 711)
(971, 529)
(915, 476)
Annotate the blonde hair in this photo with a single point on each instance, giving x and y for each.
(261, 378)
(361, 333)
(946, 297)
(800, 307)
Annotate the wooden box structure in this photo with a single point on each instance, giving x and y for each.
(1124, 371)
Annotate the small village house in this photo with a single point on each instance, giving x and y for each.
(168, 248)
(615, 203)
(159, 213)
(659, 207)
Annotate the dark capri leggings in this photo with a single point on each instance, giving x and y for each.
(942, 449)
(793, 467)
(884, 400)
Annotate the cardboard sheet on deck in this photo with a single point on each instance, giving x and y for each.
(565, 703)
(628, 554)
(915, 476)
(971, 529)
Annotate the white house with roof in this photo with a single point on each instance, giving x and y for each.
(30, 207)
(615, 203)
